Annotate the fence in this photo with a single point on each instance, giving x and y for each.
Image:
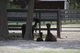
(42, 14)
(70, 14)
(19, 15)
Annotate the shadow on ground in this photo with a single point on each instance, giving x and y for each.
(24, 44)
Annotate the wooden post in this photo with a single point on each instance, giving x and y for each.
(58, 25)
(40, 22)
(36, 17)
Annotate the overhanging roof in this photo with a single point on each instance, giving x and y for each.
(52, 0)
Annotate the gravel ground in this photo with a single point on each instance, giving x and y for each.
(68, 40)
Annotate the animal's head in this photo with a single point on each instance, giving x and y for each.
(40, 33)
(48, 25)
(36, 20)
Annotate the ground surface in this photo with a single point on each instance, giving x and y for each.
(68, 41)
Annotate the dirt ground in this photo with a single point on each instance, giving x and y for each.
(68, 40)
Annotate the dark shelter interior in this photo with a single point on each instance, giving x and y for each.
(49, 5)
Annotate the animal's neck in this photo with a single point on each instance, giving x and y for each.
(40, 35)
(35, 24)
(48, 31)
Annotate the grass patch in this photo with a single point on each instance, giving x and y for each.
(46, 51)
(21, 23)
(12, 50)
(12, 24)
(45, 22)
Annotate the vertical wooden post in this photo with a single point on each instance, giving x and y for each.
(36, 17)
(40, 22)
(58, 25)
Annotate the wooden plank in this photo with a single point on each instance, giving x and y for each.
(73, 14)
(70, 31)
(70, 10)
(24, 19)
(14, 25)
(14, 28)
(35, 10)
(34, 29)
(46, 28)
